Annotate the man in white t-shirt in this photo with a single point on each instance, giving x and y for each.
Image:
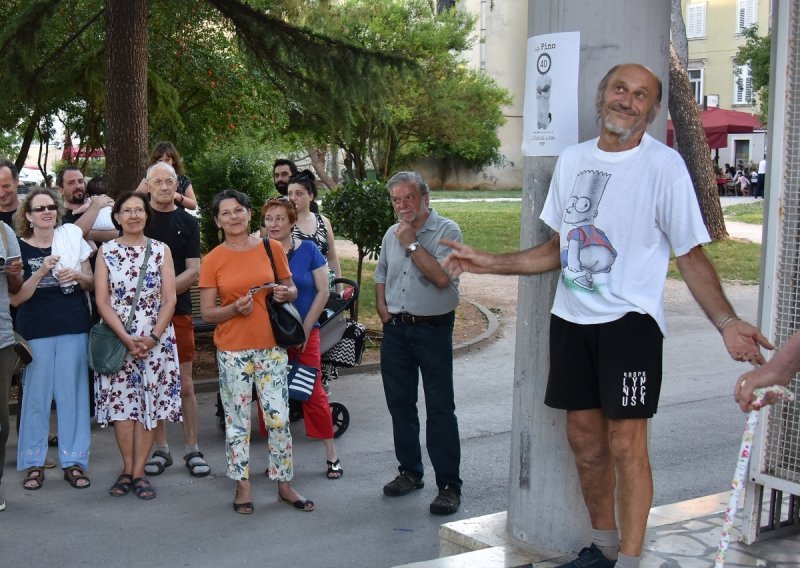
(617, 205)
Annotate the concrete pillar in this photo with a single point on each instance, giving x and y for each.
(545, 508)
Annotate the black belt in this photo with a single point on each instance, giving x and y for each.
(443, 319)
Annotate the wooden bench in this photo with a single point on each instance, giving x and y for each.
(200, 325)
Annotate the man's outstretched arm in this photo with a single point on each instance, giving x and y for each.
(535, 260)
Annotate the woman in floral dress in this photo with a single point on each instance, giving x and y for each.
(147, 387)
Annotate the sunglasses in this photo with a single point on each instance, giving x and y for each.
(40, 208)
(255, 289)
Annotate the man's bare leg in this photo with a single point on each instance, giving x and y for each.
(628, 442)
(587, 432)
(188, 406)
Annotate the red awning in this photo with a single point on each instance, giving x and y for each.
(718, 123)
(72, 152)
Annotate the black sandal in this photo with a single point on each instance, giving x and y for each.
(143, 489)
(122, 486)
(158, 463)
(198, 466)
(335, 469)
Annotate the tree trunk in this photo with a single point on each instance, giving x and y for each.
(317, 156)
(27, 138)
(126, 93)
(677, 28)
(359, 269)
(691, 142)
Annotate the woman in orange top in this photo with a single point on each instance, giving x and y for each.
(247, 354)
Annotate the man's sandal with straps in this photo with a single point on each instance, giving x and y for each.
(198, 466)
(158, 463)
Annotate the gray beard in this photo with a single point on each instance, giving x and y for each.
(622, 133)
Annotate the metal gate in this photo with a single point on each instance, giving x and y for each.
(772, 506)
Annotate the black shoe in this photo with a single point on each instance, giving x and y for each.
(446, 502)
(590, 558)
(402, 485)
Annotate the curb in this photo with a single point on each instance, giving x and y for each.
(483, 339)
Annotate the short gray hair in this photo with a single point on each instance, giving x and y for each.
(164, 165)
(408, 177)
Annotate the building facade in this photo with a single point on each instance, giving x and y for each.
(714, 30)
(501, 35)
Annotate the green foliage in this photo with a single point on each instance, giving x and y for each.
(437, 107)
(203, 90)
(362, 212)
(220, 71)
(241, 168)
(756, 54)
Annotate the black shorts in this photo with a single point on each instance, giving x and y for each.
(614, 366)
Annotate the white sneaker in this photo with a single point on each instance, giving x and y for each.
(2, 503)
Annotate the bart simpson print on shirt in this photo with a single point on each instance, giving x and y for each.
(588, 249)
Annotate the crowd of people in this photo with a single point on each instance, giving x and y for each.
(610, 242)
(73, 256)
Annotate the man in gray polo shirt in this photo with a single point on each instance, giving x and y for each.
(416, 300)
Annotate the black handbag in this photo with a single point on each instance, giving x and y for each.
(106, 350)
(287, 325)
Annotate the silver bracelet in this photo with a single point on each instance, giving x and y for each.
(725, 320)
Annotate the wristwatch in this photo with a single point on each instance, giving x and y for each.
(412, 247)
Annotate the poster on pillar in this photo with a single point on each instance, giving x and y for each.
(550, 113)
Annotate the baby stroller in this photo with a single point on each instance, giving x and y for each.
(341, 342)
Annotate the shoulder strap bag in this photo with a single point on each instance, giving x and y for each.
(106, 350)
(287, 325)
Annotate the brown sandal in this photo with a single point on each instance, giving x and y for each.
(34, 478)
(76, 476)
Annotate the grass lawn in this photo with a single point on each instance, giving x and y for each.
(735, 261)
(745, 212)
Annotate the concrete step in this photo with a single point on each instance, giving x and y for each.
(482, 542)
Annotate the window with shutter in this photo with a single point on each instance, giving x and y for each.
(746, 14)
(696, 20)
(742, 85)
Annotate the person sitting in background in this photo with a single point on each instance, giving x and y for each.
(742, 179)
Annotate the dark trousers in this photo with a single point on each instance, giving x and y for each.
(407, 350)
(7, 359)
(762, 179)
